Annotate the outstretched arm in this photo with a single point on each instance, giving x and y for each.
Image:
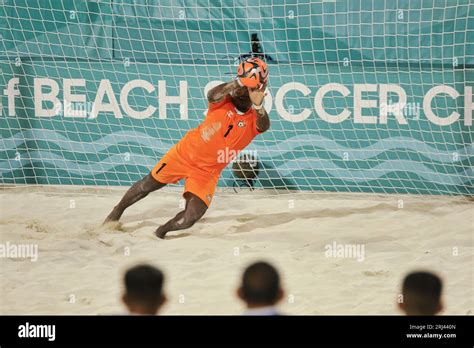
(263, 121)
(219, 92)
(257, 96)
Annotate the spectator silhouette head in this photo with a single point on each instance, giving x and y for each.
(260, 287)
(143, 290)
(421, 294)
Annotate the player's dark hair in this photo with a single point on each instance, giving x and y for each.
(144, 285)
(422, 292)
(260, 284)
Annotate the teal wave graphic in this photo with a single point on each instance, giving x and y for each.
(84, 146)
(86, 169)
(378, 171)
(287, 169)
(364, 153)
(264, 151)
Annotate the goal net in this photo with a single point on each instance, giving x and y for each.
(364, 96)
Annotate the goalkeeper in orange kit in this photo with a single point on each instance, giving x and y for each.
(235, 116)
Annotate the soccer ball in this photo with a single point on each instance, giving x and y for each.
(253, 72)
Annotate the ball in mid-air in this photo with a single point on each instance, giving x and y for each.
(253, 72)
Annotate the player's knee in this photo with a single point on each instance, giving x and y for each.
(184, 222)
(149, 184)
(141, 189)
(189, 218)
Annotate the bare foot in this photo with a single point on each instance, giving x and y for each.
(160, 234)
(112, 225)
(113, 216)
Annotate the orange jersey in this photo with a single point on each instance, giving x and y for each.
(204, 151)
(219, 138)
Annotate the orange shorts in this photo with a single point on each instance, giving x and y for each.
(173, 168)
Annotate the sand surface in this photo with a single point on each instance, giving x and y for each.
(80, 265)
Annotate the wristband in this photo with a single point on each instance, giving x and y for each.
(257, 107)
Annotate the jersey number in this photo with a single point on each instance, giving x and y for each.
(159, 169)
(228, 130)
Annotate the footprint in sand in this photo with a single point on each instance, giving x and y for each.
(112, 227)
(37, 226)
(203, 257)
(376, 273)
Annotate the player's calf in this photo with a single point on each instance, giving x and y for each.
(195, 209)
(138, 191)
